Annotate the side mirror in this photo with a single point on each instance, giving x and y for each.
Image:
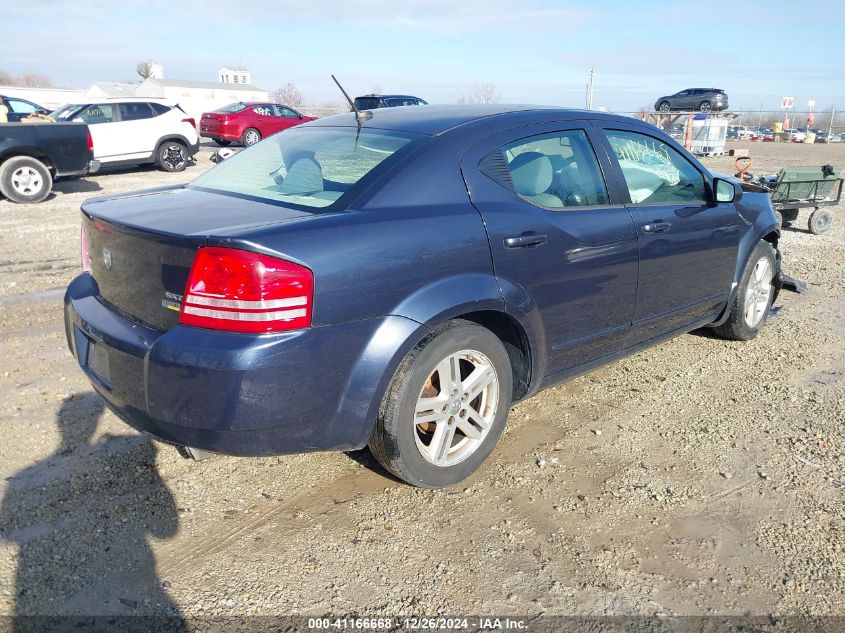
(726, 191)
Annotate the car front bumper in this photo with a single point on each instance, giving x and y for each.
(308, 390)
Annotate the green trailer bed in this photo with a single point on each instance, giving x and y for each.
(796, 188)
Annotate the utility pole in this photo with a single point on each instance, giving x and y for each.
(830, 125)
(590, 89)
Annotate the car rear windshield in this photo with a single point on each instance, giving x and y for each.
(232, 107)
(306, 167)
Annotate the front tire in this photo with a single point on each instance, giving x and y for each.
(172, 156)
(25, 180)
(750, 308)
(250, 137)
(664, 106)
(446, 406)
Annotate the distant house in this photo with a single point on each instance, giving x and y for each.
(196, 97)
(234, 75)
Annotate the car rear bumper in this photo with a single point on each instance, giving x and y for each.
(309, 390)
(224, 132)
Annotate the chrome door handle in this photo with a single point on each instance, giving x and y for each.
(658, 226)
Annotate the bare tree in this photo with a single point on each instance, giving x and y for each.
(30, 80)
(33, 80)
(290, 95)
(145, 69)
(481, 93)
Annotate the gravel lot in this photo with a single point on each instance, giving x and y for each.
(697, 477)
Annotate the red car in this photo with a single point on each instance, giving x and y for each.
(248, 123)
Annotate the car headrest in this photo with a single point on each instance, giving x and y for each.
(531, 173)
(305, 176)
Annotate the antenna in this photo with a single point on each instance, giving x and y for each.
(359, 116)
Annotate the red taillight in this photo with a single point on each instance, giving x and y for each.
(242, 291)
(90, 141)
(84, 249)
(191, 121)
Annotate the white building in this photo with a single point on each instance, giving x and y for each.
(109, 90)
(234, 75)
(50, 98)
(196, 97)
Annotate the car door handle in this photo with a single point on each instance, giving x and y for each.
(526, 239)
(658, 226)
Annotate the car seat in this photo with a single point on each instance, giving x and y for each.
(531, 174)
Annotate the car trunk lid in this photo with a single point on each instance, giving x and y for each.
(141, 246)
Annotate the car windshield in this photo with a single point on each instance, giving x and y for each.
(232, 107)
(65, 112)
(308, 167)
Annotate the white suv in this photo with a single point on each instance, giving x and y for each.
(136, 131)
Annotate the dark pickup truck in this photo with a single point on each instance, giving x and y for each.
(32, 155)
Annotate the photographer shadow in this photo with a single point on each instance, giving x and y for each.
(81, 519)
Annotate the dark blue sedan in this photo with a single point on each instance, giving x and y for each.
(402, 280)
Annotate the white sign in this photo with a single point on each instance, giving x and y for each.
(787, 102)
(811, 103)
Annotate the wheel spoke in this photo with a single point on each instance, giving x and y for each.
(447, 371)
(441, 442)
(477, 381)
(430, 410)
(473, 426)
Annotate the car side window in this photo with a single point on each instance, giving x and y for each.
(285, 112)
(655, 172)
(100, 113)
(135, 111)
(159, 108)
(554, 171)
(263, 110)
(22, 107)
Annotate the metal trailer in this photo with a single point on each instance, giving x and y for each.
(796, 188)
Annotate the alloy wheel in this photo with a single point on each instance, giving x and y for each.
(174, 156)
(251, 137)
(456, 408)
(758, 292)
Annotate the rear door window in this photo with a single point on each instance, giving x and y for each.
(135, 111)
(555, 171)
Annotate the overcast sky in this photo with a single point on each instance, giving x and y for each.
(534, 51)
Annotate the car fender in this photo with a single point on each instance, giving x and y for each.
(414, 319)
(746, 246)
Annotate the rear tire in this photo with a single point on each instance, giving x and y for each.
(445, 407)
(819, 221)
(705, 106)
(750, 308)
(250, 137)
(172, 156)
(25, 180)
(222, 142)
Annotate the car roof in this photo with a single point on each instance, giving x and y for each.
(438, 119)
(377, 96)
